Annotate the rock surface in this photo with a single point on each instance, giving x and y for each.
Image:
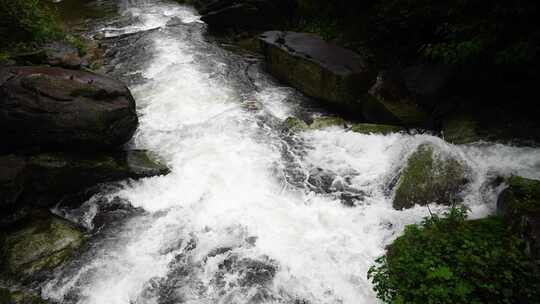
(390, 102)
(429, 177)
(38, 246)
(12, 171)
(520, 206)
(317, 68)
(367, 128)
(57, 109)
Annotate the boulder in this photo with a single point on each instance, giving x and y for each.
(57, 109)
(429, 177)
(38, 246)
(53, 175)
(317, 68)
(519, 204)
(390, 102)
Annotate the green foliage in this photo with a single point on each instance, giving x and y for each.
(451, 260)
(27, 22)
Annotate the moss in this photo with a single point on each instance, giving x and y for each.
(520, 198)
(295, 124)
(460, 129)
(429, 178)
(20, 297)
(367, 128)
(39, 245)
(325, 122)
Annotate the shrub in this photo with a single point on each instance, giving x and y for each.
(27, 22)
(450, 260)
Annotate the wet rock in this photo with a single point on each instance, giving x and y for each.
(250, 272)
(38, 246)
(520, 206)
(317, 68)
(321, 181)
(20, 297)
(57, 174)
(390, 102)
(62, 54)
(12, 179)
(326, 122)
(58, 109)
(367, 128)
(430, 177)
(295, 124)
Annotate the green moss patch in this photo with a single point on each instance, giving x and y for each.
(429, 177)
(39, 245)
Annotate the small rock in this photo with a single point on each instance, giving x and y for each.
(367, 128)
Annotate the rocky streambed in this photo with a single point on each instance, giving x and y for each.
(266, 196)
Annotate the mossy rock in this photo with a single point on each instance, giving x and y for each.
(460, 129)
(295, 124)
(20, 297)
(520, 206)
(429, 177)
(368, 128)
(69, 172)
(39, 245)
(326, 122)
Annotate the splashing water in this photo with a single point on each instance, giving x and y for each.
(237, 220)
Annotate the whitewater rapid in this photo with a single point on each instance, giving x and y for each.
(237, 220)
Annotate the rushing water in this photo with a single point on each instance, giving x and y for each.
(247, 214)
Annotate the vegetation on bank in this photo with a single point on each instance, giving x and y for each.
(466, 31)
(26, 25)
(451, 260)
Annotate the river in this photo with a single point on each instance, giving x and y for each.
(239, 220)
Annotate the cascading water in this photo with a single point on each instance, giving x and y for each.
(239, 220)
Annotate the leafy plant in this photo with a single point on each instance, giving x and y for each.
(451, 260)
(28, 22)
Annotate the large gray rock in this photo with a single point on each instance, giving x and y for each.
(57, 109)
(317, 68)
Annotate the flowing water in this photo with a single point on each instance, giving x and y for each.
(251, 212)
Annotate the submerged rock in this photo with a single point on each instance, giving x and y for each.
(38, 246)
(317, 68)
(58, 109)
(390, 102)
(520, 206)
(429, 177)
